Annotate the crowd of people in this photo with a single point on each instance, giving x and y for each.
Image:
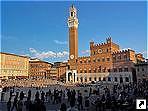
(118, 97)
(29, 82)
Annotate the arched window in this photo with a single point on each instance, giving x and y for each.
(89, 78)
(89, 70)
(71, 14)
(85, 79)
(120, 69)
(69, 75)
(95, 70)
(109, 78)
(125, 69)
(95, 79)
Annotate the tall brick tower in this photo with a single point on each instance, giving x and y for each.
(73, 36)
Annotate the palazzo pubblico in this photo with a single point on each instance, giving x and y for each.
(107, 62)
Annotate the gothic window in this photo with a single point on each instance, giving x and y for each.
(71, 14)
(108, 70)
(99, 78)
(104, 79)
(89, 78)
(85, 79)
(89, 71)
(89, 60)
(114, 58)
(94, 60)
(125, 57)
(142, 69)
(77, 79)
(94, 70)
(125, 69)
(99, 70)
(104, 69)
(108, 59)
(120, 69)
(103, 59)
(109, 78)
(69, 74)
(119, 57)
(80, 61)
(98, 60)
(95, 79)
(94, 52)
(115, 69)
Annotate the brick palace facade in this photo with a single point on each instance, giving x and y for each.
(107, 62)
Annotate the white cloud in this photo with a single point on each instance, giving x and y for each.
(145, 52)
(25, 55)
(60, 42)
(32, 50)
(48, 54)
(85, 51)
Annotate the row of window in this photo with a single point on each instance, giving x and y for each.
(102, 79)
(120, 70)
(38, 66)
(104, 70)
(101, 51)
(141, 69)
(95, 60)
(13, 71)
(119, 57)
(14, 66)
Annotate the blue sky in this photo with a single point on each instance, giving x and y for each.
(39, 29)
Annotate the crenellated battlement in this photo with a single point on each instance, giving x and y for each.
(100, 44)
(122, 51)
(108, 40)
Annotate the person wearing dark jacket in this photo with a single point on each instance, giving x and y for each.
(80, 100)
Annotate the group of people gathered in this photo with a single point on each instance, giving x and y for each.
(116, 98)
(22, 102)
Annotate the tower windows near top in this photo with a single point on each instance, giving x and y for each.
(71, 14)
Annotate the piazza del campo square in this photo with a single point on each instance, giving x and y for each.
(79, 72)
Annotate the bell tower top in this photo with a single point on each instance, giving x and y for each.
(72, 20)
(73, 11)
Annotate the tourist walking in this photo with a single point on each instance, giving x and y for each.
(15, 102)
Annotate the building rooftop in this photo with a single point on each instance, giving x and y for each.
(14, 54)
